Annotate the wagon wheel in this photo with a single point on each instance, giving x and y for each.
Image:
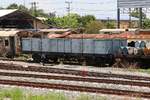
(55, 60)
(36, 58)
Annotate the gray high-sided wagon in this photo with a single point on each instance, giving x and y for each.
(90, 50)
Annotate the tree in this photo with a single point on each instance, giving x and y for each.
(146, 23)
(84, 20)
(110, 24)
(13, 6)
(51, 21)
(86, 23)
(23, 8)
(136, 14)
(93, 27)
(68, 21)
(19, 7)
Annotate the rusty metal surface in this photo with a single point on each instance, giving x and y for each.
(125, 35)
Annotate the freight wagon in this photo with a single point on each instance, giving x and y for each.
(100, 51)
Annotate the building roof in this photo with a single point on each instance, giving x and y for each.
(8, 33)
(15, 14)
(117, 30)
(123, 17)
(4, 12)
(54, 30)
(47, 30)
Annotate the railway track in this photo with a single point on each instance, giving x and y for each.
(70, 72)
(74, 78)
(76, 88)
(82, 79)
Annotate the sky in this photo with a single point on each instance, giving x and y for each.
(82, 7)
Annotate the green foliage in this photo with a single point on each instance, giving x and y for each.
(14, 94)
(17, 94)
(55, 96)
(84, 20)
(50, 96)
(23, 8)
(145, 71)
(137, 14)
(13, 6)
(71, 21)
(51, 21)
(68, 21)
(86, 97)
(93, 27)
(146, 23)
(110, 25)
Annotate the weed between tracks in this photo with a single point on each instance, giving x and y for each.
(17, 94)
(139, 70)
(145, 71)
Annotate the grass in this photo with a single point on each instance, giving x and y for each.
(17, 94)
(139, 70)
(145, 71)
(86, 97)
(50, 96)
(22, 56)
(14, 94)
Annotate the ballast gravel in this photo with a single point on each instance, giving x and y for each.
(67, 75)
(87, 84)
(108, 70)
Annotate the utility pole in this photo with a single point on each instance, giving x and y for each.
(130, 22)
(68, 7)
(34, 11)
(141, 18)
(108, 22)
(34, 7)
(118, 15)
